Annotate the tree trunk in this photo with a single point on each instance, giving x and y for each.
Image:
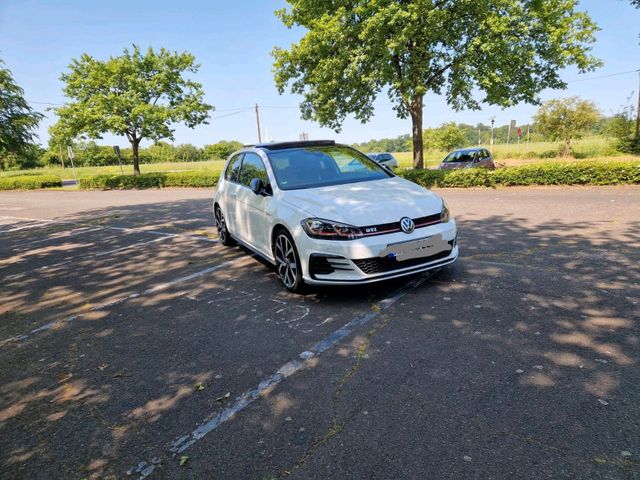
(136, 163)
(416, 131)
(567, 148)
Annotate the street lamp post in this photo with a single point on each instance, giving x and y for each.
(493, 121)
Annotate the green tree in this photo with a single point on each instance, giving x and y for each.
(18, 121)
(566, 119)
(447, 136)
(187, 153)
(140, 95)
(509, 50)
(621, 127)
(161, 152)
(221, 150)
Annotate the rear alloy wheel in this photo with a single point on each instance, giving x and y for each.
(223, 233)
(288, 262)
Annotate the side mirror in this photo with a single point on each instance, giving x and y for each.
(257, 186)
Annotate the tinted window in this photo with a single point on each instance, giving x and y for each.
(459, 156)
(252, 167)
(233, 169)
(322, 166)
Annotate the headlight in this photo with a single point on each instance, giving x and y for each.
(329, 230)
(445, 215)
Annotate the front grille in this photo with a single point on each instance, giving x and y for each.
(374, 265)
(393, 227)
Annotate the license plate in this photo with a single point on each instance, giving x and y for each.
(424, 247)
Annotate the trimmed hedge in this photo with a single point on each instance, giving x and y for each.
(29, 182)
(579, 173)
(150, 180)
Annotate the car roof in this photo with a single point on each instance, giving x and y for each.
(297, 144)
(469, 150)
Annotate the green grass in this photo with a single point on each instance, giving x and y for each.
(213, 166)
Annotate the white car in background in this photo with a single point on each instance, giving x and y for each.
(326, 214)
(385, 159)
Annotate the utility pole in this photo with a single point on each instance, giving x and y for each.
(638, 110)
(493, 121)
(61, 156)
(258, 124)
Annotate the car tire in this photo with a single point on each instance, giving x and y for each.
(288, 261)
(223, 233)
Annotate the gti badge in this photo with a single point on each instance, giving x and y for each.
(407, 225)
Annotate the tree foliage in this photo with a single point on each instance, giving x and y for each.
(140, 95)
(221, 150)
(401, 143)
(509, 50)
(446, 137)
(18, 121)
(566, 119)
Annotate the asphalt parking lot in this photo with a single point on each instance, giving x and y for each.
(133, 345)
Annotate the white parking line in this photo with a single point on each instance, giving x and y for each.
(126, 247)
(70, 262)
(245, 399)
(108, 227)
(73, 233)
(149, 291)
(25, 227)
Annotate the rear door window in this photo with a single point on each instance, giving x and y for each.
(233, 169)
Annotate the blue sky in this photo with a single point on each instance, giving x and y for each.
(232, 41)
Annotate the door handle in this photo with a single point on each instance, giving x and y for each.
(233, 194)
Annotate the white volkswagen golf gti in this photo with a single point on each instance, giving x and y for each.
(324, 213)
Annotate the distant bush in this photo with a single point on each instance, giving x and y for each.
(629, 145)
(586, 173)
(29, 182)
(150, 180)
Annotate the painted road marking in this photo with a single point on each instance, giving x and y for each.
(39, 223)
(69, 263)
(245, 399)
(73, 233)
(118, 301)
(108, 227)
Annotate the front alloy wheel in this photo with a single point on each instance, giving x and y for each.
(288, 262)
(223, 233)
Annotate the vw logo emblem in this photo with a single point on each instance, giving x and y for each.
(407, 225)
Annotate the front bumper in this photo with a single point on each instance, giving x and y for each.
(326, 262)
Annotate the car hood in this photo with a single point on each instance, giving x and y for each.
(366, 203)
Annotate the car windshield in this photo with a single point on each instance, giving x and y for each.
(459, 156)
(321, 166)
